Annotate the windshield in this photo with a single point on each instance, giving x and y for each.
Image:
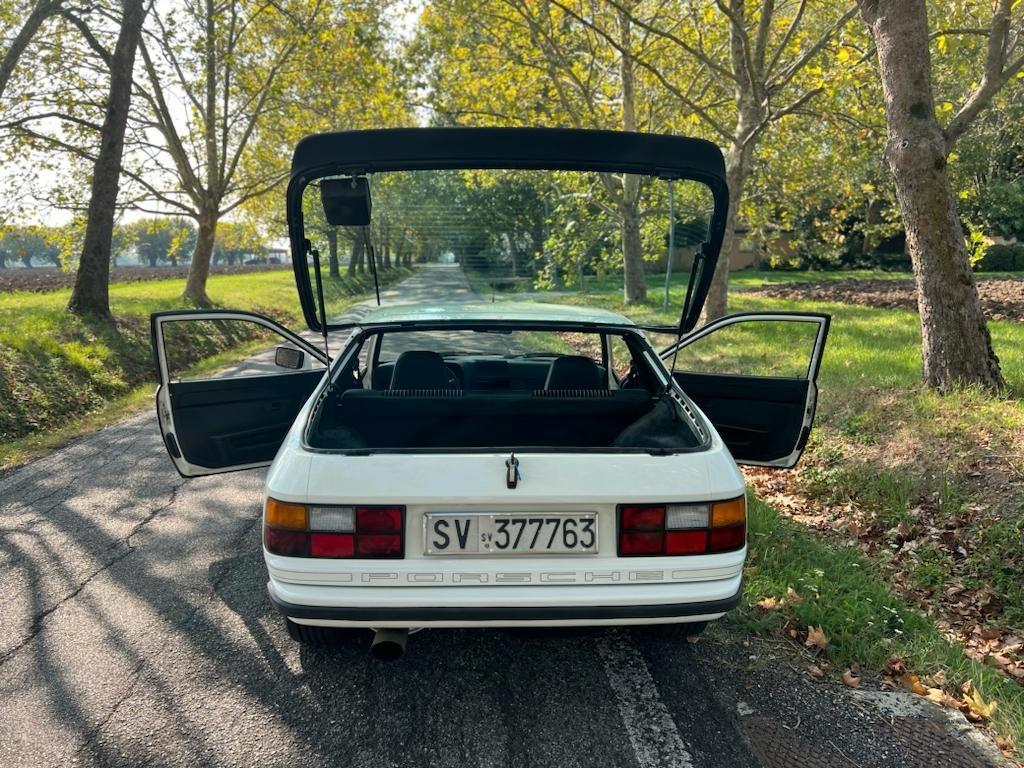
(503, 228)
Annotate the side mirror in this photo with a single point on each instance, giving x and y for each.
(289, 357)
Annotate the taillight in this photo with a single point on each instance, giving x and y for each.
(682, 529)
(298, 530)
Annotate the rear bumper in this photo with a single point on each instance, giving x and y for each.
(506, 606)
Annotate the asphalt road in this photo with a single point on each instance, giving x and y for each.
(135, 630)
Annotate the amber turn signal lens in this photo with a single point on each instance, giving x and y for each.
(282, 514)
(731, 512)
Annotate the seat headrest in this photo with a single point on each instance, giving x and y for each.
(422, 369)
(575, 372)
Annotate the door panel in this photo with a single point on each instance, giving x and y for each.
(237, 421)
(764, 419)
(237, 417)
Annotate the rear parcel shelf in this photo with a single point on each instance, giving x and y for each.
(409, 419)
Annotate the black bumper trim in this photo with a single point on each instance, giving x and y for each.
(509, 613)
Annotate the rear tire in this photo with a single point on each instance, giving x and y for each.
(670, 631)
(314, 637)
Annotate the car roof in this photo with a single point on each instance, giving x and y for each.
(502, 311)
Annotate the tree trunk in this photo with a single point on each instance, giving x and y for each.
(386, 248)
(956, 345)
(634, 288)
(202, 253)
(360, 252)
(737, 168)
(752, 115)
(352, 254)
(91, 295)
(210, 199)
(332, 254)
(3, 259)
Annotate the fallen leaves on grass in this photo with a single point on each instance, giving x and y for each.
(913, 684)
(773, 604)
(966, 614)
(851, 679)
(1006, 745)
(971, 703)
(976, 708)
(1001, 298)
(816, 638)
(815, 671)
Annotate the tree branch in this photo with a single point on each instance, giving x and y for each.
(994, 76)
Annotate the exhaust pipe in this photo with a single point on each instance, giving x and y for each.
(389, 644)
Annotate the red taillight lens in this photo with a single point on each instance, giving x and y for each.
(333, 544)
(686, 542)
(643, 518)
(288, 543)
(727, 539)
(379, 544)
(634, 543)
(378, 519)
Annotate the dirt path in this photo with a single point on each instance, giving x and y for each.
(1001, 298)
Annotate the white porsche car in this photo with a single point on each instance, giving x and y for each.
(460, 464)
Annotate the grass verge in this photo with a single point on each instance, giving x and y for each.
(808, 582)
(61, 376)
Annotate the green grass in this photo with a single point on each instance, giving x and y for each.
(61, 376)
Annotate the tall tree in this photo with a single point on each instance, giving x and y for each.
(956, 344)
(518, 61)
(90, 295)
(729, 71)
(759, 57)
(232, 62)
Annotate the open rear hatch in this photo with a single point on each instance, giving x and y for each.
(500, 195)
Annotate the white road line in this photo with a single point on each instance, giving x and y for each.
(652, 731)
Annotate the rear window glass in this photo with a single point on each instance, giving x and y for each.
(501, 344)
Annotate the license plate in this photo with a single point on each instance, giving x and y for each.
(448, 533)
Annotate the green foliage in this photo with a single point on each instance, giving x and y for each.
(30, 245)
(1001, 258)
(236, 241)
(999, 207)
(157, 239)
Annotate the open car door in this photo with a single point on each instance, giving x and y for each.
(755, 377)
(227, 410)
